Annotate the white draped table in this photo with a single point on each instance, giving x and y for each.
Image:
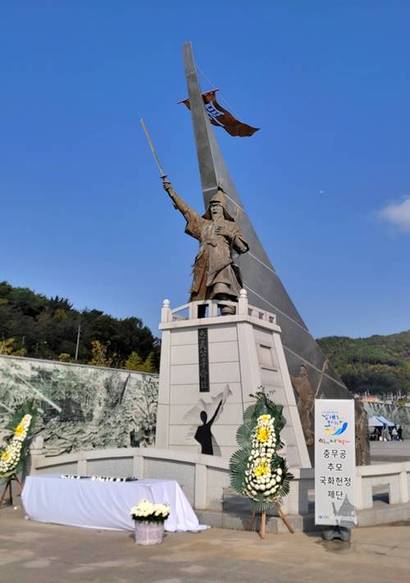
(106, 505)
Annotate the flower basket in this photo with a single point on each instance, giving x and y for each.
(149, 522)
(148, 533)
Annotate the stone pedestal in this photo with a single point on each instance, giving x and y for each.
(209, 367)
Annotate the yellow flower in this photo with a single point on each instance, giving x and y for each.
(20, 430)
(262, 469)
(264, 418)
(5, 456)
(263, 434)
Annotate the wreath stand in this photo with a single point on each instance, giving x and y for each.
(262, 521)
(9, 487)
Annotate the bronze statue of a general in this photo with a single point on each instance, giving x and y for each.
(215, 275)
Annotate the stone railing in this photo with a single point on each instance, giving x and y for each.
(211, 309)
(261, 315)
(390, 478)
(203, 477)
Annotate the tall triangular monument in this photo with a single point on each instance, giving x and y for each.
(311, 375)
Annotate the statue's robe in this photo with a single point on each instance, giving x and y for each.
(214, 271)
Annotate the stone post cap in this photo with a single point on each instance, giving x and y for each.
(243, 293)
(166, 303)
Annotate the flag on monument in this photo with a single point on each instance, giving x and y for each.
(219, 116)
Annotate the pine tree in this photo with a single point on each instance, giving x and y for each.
(149, 363)
(134, 362)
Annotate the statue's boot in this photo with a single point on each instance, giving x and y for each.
(227, 310)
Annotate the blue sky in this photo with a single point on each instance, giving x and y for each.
(326, 180)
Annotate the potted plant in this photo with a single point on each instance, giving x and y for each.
(149, 522)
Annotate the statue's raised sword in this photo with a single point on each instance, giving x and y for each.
(153, 150)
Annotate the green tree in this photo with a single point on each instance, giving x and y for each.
(149, 363)
(99, 354)
(8, 347)
(134, 362)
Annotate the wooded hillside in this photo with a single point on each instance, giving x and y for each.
(378, 364)
(36, 326)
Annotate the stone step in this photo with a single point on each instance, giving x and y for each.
(243, 521)
(236, 514)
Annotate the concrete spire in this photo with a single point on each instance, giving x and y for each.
(261, 281)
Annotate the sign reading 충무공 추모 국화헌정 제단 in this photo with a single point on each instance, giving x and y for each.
(335, 462)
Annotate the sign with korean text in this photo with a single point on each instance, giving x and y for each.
(335, 462)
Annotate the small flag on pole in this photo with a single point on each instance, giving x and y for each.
(219, 116)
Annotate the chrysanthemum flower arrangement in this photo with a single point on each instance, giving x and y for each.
(257, 470)
(12, 454)
(146, 511)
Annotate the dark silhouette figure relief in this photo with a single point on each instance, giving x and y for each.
(208, 412)
(203, 434)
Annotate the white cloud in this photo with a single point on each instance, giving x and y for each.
(397, 214)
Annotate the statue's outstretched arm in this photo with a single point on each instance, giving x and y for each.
(177, 200)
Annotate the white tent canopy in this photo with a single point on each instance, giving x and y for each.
(374, 422)
(385, 421)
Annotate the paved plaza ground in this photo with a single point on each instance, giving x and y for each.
(32, 552)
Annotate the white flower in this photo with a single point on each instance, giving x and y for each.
(147, 510)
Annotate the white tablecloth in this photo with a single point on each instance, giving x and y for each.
(105, 505)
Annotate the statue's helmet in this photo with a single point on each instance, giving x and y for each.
(218, 198)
